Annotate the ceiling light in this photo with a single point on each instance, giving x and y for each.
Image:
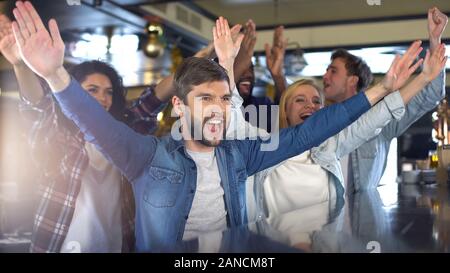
(295, 63)
(154, 47)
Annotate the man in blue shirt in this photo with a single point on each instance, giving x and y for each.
(191, 181)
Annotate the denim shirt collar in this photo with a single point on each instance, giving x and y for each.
(174, 145)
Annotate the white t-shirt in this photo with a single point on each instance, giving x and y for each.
(210, 243)
(208, 212)
(96, 225)
(298, 225)
(297, 183)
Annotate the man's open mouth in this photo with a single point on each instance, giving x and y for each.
(214, 124)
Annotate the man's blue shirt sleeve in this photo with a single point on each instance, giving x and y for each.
(126, 149)
(324, 124)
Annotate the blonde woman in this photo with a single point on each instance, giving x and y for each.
(315, 176)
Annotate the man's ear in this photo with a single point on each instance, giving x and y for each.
(178, 106)
(353, 81)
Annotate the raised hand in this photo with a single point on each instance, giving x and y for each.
(235, 33)
(436, 26)
(244, 58)
(42, 51)
(8, 46)
(275, 54)
(402, 67)
(208, 51)
(226, 49)
(434, 63)
(249, 41)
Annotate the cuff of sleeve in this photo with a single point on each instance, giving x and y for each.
(72, 97)
(395, 104)
(45, 102)
(438, 84)
(68, 91)
(236, 99)
(150, 101)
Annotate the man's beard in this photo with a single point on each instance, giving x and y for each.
(203, 140)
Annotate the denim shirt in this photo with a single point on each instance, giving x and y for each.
(328, 153)
(369, 160)
(163, 175)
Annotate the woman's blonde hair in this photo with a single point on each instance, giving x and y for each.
(287, 96)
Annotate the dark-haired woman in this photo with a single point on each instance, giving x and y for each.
(85, 204)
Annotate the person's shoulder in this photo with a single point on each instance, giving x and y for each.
(261, 101)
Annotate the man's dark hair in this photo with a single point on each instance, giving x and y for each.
(81, 71)
(355, 67)
(195, 71)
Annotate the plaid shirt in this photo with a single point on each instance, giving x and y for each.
(58, 149)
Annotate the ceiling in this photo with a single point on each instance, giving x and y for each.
(129, 15)
(317, 25)
(269, 13)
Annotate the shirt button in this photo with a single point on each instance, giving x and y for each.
(192, 191)
(186, 217)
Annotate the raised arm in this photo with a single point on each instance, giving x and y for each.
(437, 21)
(432, 92)
(433, 66)
(370, 124)
(295, 140)
(391, 108)
(50, 131)
(44, 54)
(143, 112)
(244, 58)
(329, 120)
(164, 89)
(29, 85)
(225, 48)
(206, 52)
(399, 72)
(275, 61)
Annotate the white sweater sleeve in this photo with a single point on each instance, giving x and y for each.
(238, 127)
